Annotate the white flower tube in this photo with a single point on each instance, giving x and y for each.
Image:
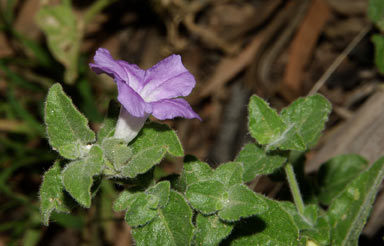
(128, 126)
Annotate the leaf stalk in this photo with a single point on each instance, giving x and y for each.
(294, 187)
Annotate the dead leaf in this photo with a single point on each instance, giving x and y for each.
(303, 44)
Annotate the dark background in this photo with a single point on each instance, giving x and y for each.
(278, 49)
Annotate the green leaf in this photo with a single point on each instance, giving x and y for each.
(376, 12)
(149, 148)
(207, 196)
(59, 25)
(309, 219)
(241, 203)
(140, 207)
(141, 210)
(349, 211)
(117, 152)
(172, 227)
(223, 191)
(312, 226)
(289, 140)
(274, 227)
(298, 127)
(51, 193)
(378, 41)
(229, 174)
(161, 190)
(336, 173)
(155, 134)
(266, 126)
(122, 201)
(320, 233)
(210, 230)
(257, 162)
(308, 115)
(73, 150)
(143, 160)
(78, 176)
(66, 126)
(264, 123)
(193, 171)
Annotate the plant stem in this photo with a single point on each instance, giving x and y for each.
(294, 187)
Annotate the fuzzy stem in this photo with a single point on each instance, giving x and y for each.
(128, 126)
(294, 187)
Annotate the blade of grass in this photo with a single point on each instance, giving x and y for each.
(30, 46)
(17, 80)
(23, 114)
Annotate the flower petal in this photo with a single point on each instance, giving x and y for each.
(167, 79)
(118, 69)
(171, 108)
(132, 101)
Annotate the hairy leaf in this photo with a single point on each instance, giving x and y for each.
(241, 203)
(312, 226)
(274, 227)
(141, 210)
(230, 173)
(78, 176)
(193, 171)
(161, 190)
(67, 128)
(320, 233)
(266, 126)
(171, 227)
(264, 122)
(308, 115)
(297, 128)
(52, 193)
(155, 134)
(336, 173)
(122, 201)
(207, 196)
(150, 147)
(140, 207)
(117, 152)
(257, 162)
(210, 230)
(349, 211)
(143, 160)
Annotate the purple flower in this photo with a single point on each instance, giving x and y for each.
(155, 91)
